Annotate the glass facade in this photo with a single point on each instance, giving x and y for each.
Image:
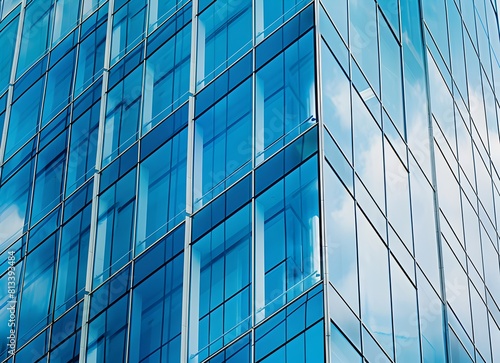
(249, 181)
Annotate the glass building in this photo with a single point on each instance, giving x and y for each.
(249, 181)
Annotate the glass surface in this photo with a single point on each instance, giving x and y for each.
(223, 143)
(160, 10)
(122, 115)
(363, 39)
(36, 33)
(271, 14)
(166, 83)
(221, 285)
(285, 97)
(162, 191)
(224, 35)
(65, 18)
(336, 97)
(287, 246)
(129, 23)
(8, 36)
(114, 239)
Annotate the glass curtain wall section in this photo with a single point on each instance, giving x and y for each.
(250, 180)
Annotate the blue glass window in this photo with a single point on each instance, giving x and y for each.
(287, 239)
(224, 35)
(166, 83)
(49, 178)
(129, 23)
(90, 58)
(8, 35)
(156, 315)
(160, 10)
(122, 115)
(162, 191)
(65, 18)
(271, 14)
(285, 97)
(36, 300)
(24, 117)
(220, 285)
(223, 143)
(59, 87)
(115, 227)
(72, 264)
(35, 37)
(82, 148)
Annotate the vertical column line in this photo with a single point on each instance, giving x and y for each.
(95, 190)
(189, 189)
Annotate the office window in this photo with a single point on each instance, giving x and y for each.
(82, 148)
(271, 14)
(122, 115)
(285, 97)
(162, 191)
(59, 87)
(90, 58)
(129, 25)
(8, 35)
(221, 285)
(224, 35)
(287, 239)
(65, 18)
(114, 238)
(166, 83)
(49, 178)
(160, 10)
(72, 264)
(156, 315)
(223, 143)
(35, 38)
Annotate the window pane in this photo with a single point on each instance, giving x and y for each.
(220, 285)
(128, 28)
(271, 14)
(122, 115)
(115, 227)
(8, 36)
(65, 18)
(285, 99)
(223, 145)
(162, 191)
(224, 35)
(287, 246)
(160, 10)
(167, 78)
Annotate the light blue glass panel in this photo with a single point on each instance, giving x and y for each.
(363, 39)
(285, 97)
(221, 282)
(166, 82)
(72, 264)
(36, 33)
(341, 237)
(90, 58)
(59, 87)
(83, 148)
(162, 191)
(391, 76)
(115, 227)
(49, 178)
(36, 299)
(271, 14)
(122, 115)
(160, 10)
(287, 247)
(129, 24)
(8, 36)
(341, 348)
(336, 97)
(65, 18)
(404, 303)
(156, 315)
(223, 145)
(374, 283)
(14, 197)
(8, 5)
(435, 18)
(24, 117)
(224, 35)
